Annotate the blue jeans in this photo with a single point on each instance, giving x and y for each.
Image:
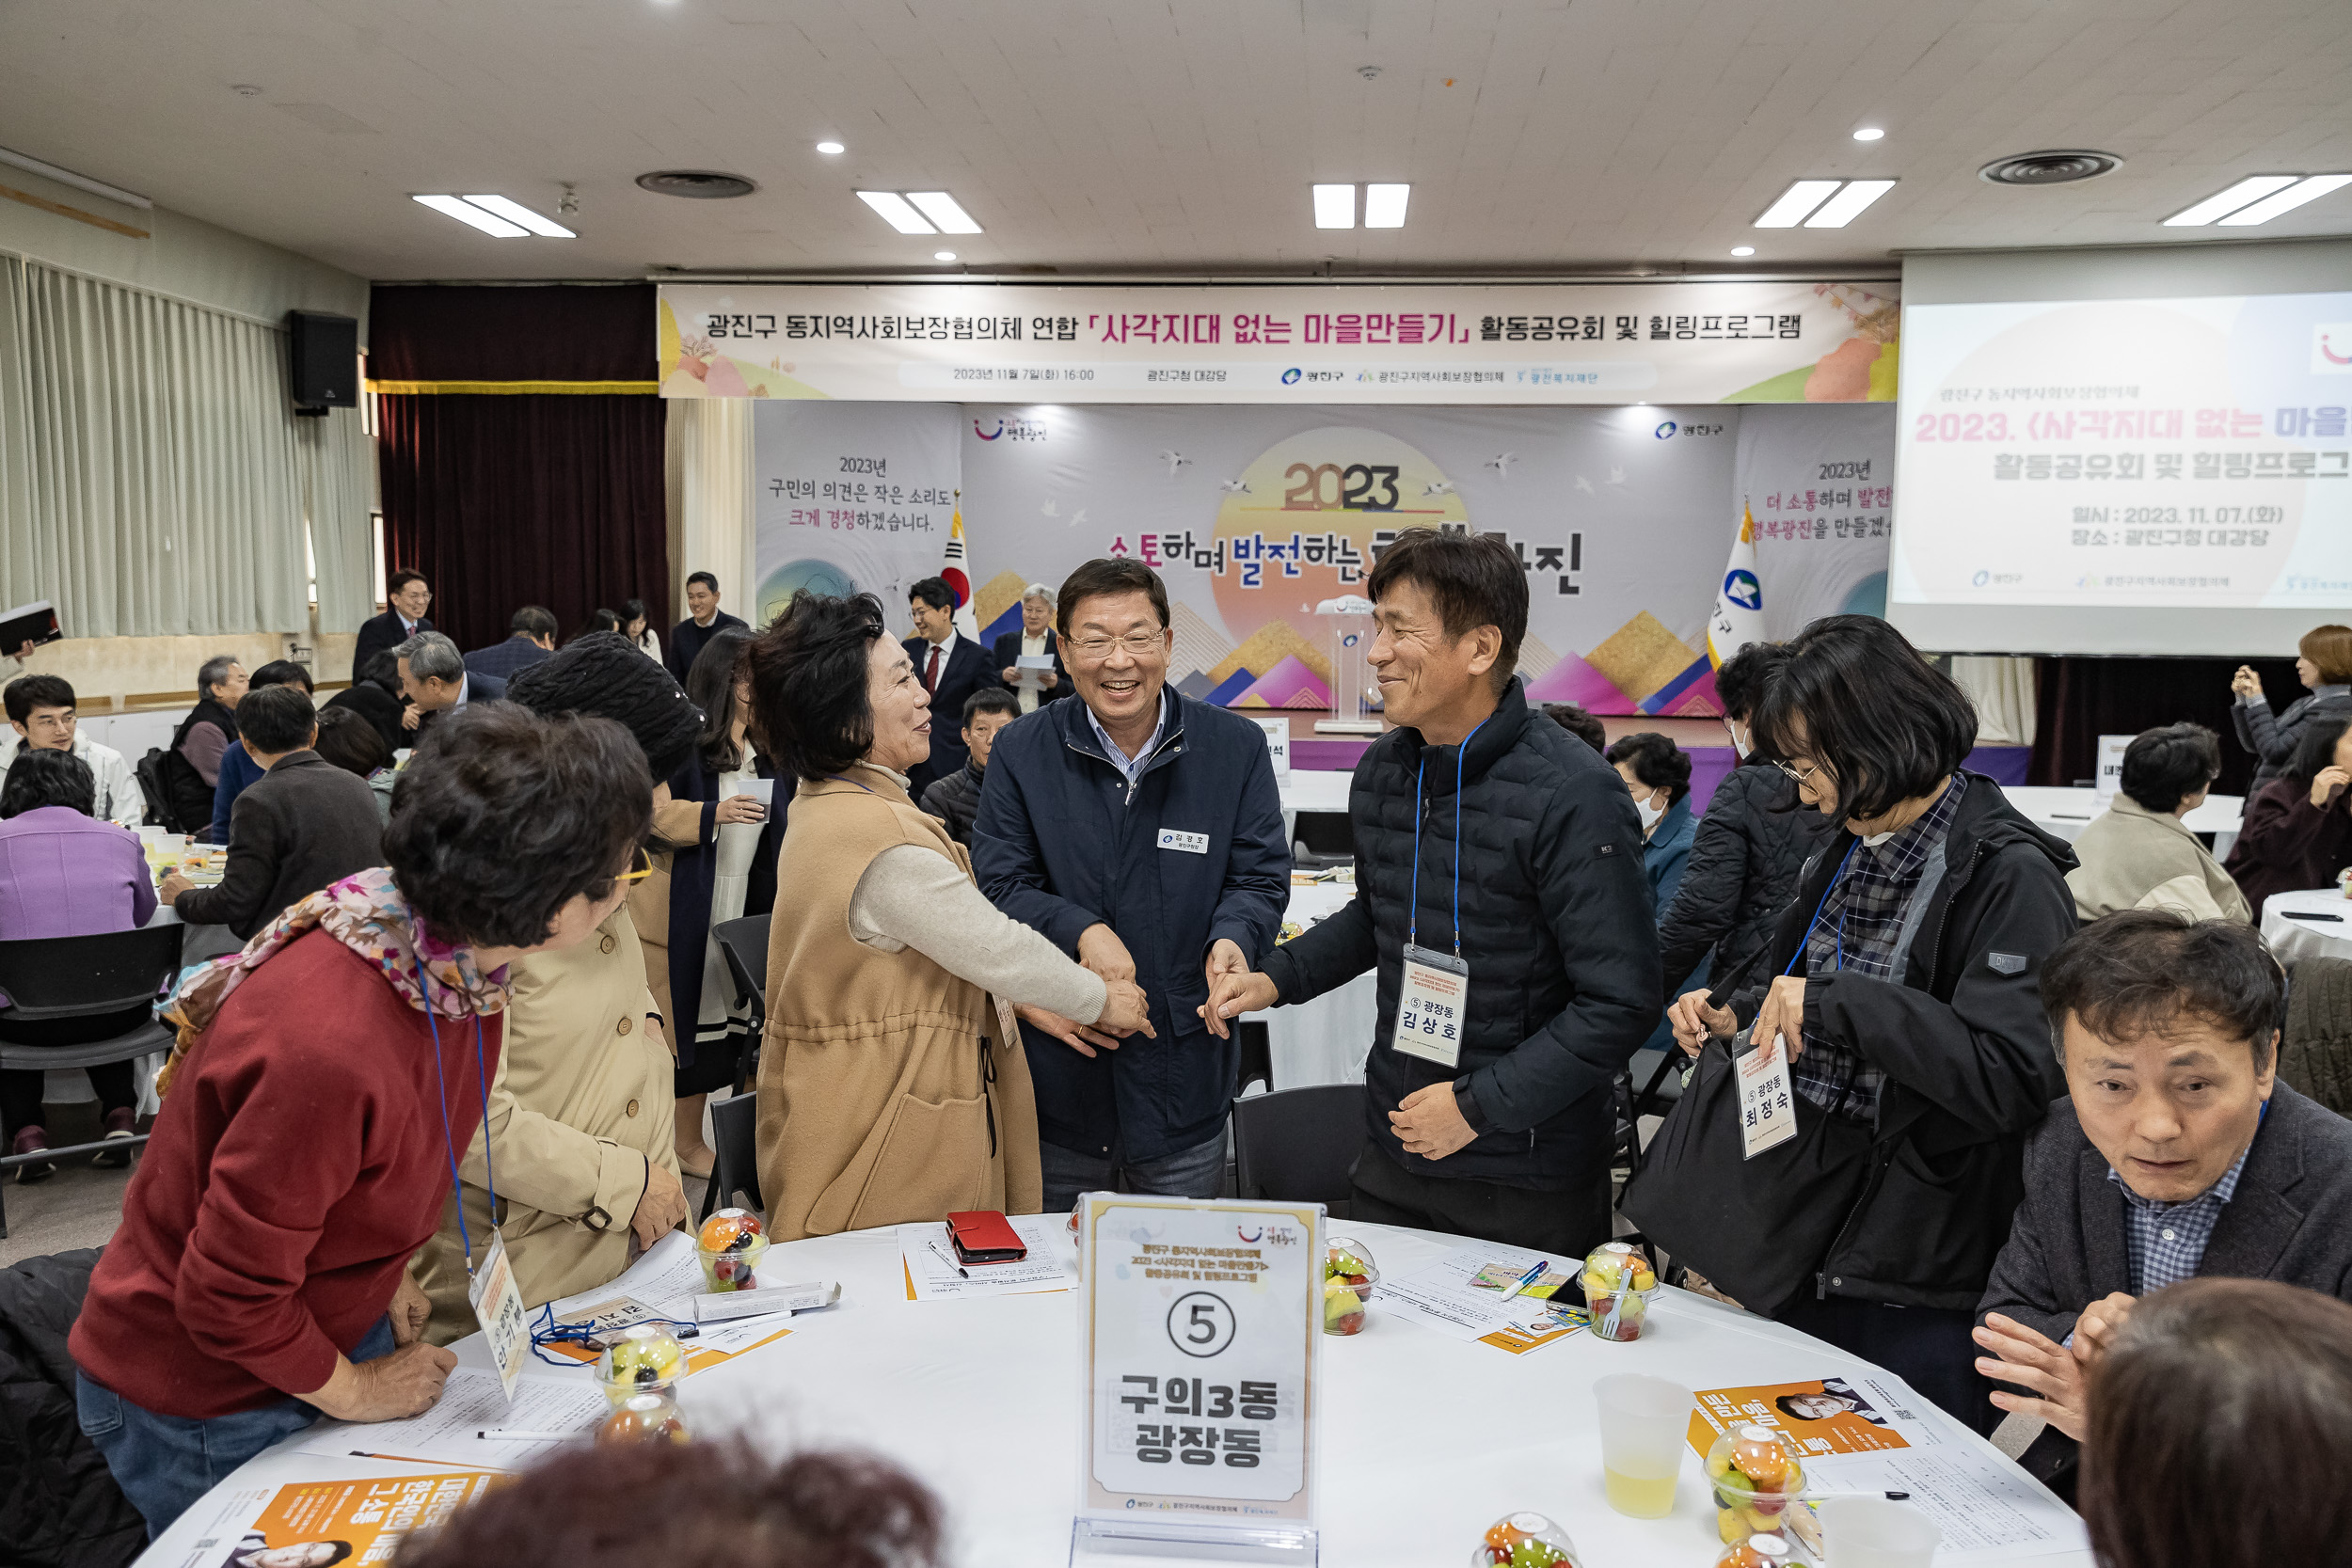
(1194, 1172)
(163, 1464)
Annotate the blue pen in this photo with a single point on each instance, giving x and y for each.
(1528, 1279)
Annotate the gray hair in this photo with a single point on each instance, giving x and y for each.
(432, 656)
(1038, 591)
(212, 671)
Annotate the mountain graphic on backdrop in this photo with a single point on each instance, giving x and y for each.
(1289, 684)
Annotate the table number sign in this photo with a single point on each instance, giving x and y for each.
(1278, 742)
(1200, 1332)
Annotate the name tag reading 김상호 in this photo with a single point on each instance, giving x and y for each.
(1768, 1118)
(1190, 844)
(1431, 1004)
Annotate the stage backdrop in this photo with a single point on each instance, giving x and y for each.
(1622, 517)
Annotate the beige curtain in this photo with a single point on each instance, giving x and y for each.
(152, 476)
(335, 469)
(707, 447)
(2003, 691)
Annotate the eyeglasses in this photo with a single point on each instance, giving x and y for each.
(1140, 644)
(1799, 774)
(640, 867)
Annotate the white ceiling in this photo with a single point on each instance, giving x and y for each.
(1174, 134)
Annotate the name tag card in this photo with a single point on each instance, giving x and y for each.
(1431, 1005)
(497, 1305)
(1187, 844)
(1768, 1117)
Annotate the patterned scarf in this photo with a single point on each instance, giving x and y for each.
(365, 913)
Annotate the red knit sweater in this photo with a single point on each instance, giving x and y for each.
(297, 1163)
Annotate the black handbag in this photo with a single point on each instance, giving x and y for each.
(1758, 1230)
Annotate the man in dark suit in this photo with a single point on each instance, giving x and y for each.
(951, 668)
(532, 639)
(433, 680)
(409, 597)
(704, 620)
(2176, 1153)
(1035, 639)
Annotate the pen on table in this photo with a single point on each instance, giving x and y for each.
(950, 1261)
(2311, 914)
(518, 1434)
(1528, 1279)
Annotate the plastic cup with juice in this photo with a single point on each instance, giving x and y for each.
(1642, 1424)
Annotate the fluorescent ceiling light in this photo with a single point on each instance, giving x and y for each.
(515, 211)
(895, 213)
(465, 212)
(941, 209)
(942, 255)
(1384, 206)
(828, 147)
(1797, 200)
(1335, 206)
(2309, 189)
(2230, 200)
(1868, 133)
(1845, 206)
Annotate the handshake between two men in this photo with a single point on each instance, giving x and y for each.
(1128, 1010)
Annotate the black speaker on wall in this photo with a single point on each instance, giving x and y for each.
(325, 361)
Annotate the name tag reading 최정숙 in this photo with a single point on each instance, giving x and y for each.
(1768, 1117)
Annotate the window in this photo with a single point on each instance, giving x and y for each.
(376, 564)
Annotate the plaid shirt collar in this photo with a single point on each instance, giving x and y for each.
(2165, 1242)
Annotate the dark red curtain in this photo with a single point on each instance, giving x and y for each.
(507, 500)
(2078, 700)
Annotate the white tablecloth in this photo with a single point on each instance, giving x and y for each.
(1324, 1040)
(1428, 1440)
(2292, 938)
(2065, 812)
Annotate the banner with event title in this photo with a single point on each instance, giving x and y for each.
(1668, 343)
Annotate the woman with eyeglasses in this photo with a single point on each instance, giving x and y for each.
(576, 1141)
(324, 1082)
(1903, 983)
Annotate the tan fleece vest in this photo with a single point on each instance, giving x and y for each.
(880, 1089)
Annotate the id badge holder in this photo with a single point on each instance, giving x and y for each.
(1768, 1115)
(1431, 1005)
(498, 1306)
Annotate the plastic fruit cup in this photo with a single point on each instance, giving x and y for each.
(1617, 1314)
(733, 1269)
(645, 1419)
(1524, 1540)
(1349, 1275)
(1757, 1478)
(648, 1360)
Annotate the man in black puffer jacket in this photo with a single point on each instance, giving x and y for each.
(1483, 830)
(1751, 841)
(60, 1508)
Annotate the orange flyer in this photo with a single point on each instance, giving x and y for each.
(1827, 1416)
(366, 1519)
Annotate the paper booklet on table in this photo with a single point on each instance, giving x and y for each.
(1869, 1432)
(367, 1518)
(1200, 1355)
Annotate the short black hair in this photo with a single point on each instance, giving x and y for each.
(503, 817)
(38, 779)
(1741, 681)
(1573, 719)
(1474, 580)
(1656, 760)
(27, 692)
(809, 677)
(2137, 970)
(2163, 767)
(1107, 575)
(1857, 698)
(706, 578)
(276, 718)
(990, 698)
(2314, 753)
(631, 610)
(350, 742)
(600, 620)
(533, 619)
(401, 579)
(284, 672)
(933, 592)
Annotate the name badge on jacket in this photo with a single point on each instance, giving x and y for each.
(1190, 844)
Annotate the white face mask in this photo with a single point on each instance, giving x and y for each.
(1650, 813)
(1739, 747)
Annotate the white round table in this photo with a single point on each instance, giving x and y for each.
(1428, 1439)
(2065, 812)
(2313, 935)
(1324, 1040)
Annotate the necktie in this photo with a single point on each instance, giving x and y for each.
(930, 670)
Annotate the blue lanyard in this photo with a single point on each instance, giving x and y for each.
(1798, 957)
(1412, 916)
(851, 783)
(449, 1141)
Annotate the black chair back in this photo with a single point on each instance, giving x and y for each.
(61, 977)
(1299, 1144)
(734, 1139)
(744, 945)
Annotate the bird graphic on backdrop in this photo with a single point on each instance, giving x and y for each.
(1174, 460)
(1439, 487)
(1501, 463)
(1234, 486)
(1586, 485)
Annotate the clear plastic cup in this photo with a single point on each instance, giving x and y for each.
(1758, 1478)
(645, 1419)
(1349, 1275)
(1614, 1295)
(733, 1268)
(1524, 1540)
(1642, 1422)
(1877, 1533)
(647, 1359)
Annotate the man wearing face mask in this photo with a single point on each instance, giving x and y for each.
(1746, 852)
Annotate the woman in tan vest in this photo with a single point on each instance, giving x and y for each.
(890, 1089)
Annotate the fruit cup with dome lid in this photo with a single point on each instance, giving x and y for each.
(1524, 1540)
(1348, 1277)
(1758, 1479)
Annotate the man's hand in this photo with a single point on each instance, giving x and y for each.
(1783, 1014)
(405, 1383)
(1125, 1011)
(2326, 783)
(1010, 673)
(172, 887)
(1693, 1021)
(1226, 961)
(1244, 990)
(740, 808)
(660, 1210)
(411, 716)
(2032, 1359)
(1430, 1122)
(2100, 1322)
(1050, 678)
(1081, 1037)
(411, 1307)
(1100, 950)
(2246, 683)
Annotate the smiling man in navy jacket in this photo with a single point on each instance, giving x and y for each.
(1141, 832)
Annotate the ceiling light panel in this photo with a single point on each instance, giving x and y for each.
(1847, 205)
(2228, 202)
(2311, 188)
(895, 213)
(1795, 202)
(515, 211)
(466, 213)
(1335, 206)
(1384, 206)
(941, 209)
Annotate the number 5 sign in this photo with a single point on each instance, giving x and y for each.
(1202, 1326)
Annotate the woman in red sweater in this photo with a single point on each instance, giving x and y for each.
(322, 1080)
